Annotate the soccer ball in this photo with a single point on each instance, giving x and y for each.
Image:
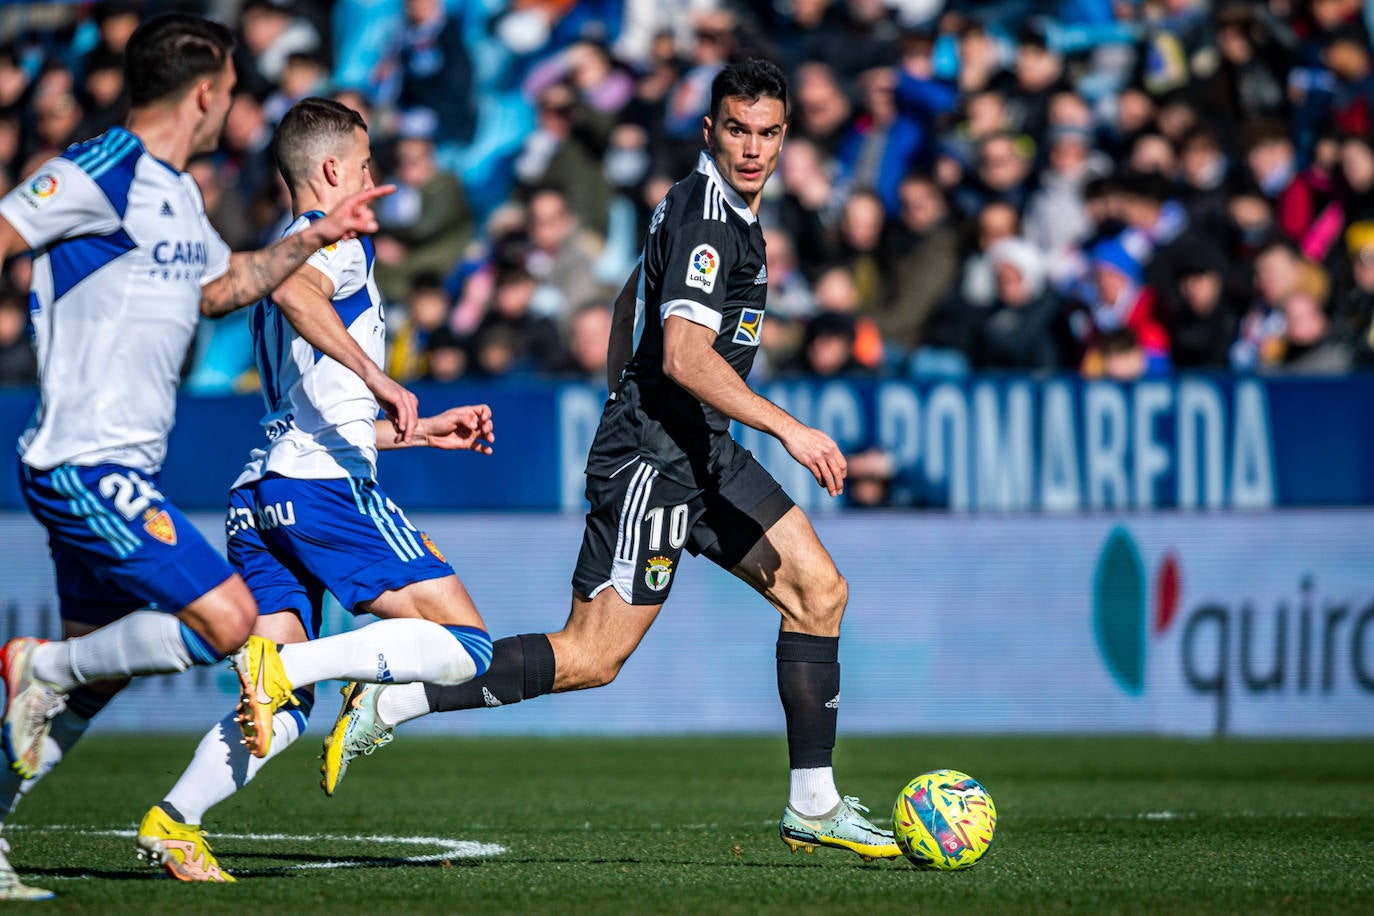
(945, 820)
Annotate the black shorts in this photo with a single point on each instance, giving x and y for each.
(640, 521)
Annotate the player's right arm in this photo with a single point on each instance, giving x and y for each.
(694, 262)
(305, 299)
(250, 275)
(690, 360)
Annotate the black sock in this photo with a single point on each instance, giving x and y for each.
(521, 669)
(809, 684)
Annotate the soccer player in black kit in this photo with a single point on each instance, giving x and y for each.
(664, 474)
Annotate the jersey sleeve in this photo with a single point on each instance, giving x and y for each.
(216, 253)
(343, 263)
(697, 258)
(58, 201)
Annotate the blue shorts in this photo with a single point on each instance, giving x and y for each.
(117, 543)
(292, 540)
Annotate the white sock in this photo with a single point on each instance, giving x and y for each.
(222, 765)
(813, 791)
(66, 730)
(144, 642)
(399, 703)
(401, 649)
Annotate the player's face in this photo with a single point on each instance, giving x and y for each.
(219, 98)
(355, 164)
(745, 139)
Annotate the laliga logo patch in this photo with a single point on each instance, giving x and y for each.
(658, 573)
(747, 331)
(328, 251)
(159, 525)
(701, 272)
(40, 190)
(429, 545)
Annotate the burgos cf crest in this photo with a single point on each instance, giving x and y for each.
(701, 271)
(658, 573)
(750, 323)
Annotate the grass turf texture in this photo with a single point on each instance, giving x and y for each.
(688, 825)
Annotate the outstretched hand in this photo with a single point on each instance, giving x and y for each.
(819, 454)
(461, 429)
(352, 217)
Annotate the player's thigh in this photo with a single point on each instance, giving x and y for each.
(753, 529)
(349, 536)
(444, 600)
(792, 569)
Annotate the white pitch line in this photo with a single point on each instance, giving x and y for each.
(448, 848)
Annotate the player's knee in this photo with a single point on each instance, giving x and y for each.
(820, 605)
(232, 623)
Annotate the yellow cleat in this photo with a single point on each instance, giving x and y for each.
(844, 827)
(180, 850)
(263, 689)
(357, 730)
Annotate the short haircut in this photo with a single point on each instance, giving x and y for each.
(170, 52)
(752, 79)
(311, 130)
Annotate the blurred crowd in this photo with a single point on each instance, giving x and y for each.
(1119, 188)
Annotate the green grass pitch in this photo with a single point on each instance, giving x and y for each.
(680, 825)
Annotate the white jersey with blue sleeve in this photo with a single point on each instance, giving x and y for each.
(320, 416)
(121, 248)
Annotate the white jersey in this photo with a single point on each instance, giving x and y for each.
(121, 249)
(320, 416)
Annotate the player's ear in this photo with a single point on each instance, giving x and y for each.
(204, 89)
(706, 132)
(331, 171)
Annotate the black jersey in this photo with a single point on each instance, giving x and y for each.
(703, 260)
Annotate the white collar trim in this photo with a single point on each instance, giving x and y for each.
(707, 166)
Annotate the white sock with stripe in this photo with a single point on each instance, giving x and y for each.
(222, 765)
(144, 642)
(400, 649)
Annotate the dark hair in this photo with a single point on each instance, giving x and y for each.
(167, 53)
(312, 128)
(752, 79)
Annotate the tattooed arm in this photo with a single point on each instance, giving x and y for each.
(254, 274)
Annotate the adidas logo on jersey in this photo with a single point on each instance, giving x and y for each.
(489, 698)
(833, 702)
(166, 209)
(761, 277)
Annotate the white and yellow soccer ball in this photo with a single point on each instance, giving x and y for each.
(944, 820)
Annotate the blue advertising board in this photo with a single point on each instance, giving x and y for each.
(982, 444)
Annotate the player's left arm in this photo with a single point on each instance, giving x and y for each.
(305, 300)
(456, 429)
(253, 274)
